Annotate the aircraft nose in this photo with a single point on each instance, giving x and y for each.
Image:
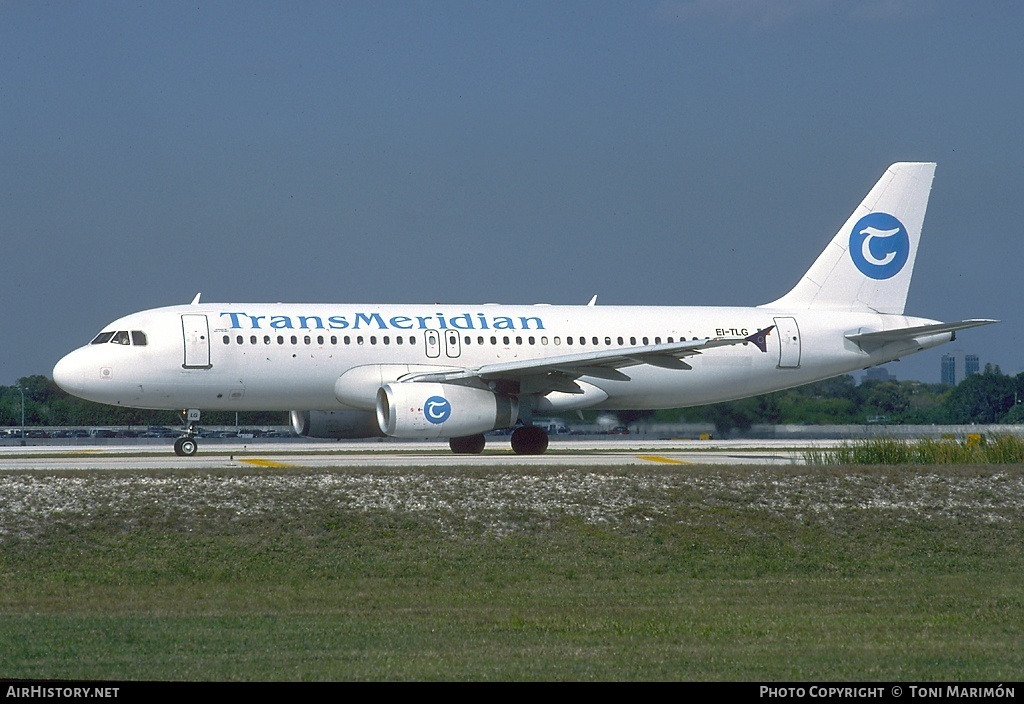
(68, 374)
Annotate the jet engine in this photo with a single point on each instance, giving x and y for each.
(435, 410)
(335, 425)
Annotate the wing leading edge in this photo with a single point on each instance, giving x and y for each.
(560, 372)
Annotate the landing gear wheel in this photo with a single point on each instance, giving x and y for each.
(529, 440)
(185, 447)
(471, 445)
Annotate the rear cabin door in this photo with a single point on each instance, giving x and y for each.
(789, 343)
(196, 334)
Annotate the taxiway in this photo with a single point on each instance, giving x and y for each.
(406, 454)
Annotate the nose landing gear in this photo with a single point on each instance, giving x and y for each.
(186, 445)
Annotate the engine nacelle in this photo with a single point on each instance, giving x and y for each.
(434, 410)
(336, 425)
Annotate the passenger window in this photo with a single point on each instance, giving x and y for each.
(227, 339)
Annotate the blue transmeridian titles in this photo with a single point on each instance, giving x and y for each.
(241, 320)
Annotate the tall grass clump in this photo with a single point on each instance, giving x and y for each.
(976, 449)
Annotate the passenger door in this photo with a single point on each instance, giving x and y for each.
(196, 335)
(789, 343)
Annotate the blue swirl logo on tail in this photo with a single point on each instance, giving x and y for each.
(879, 245)
(437, 409)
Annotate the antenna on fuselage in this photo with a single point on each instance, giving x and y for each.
(593, 301)
(195, 301)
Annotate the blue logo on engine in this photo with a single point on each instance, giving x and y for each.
(879, 245)
(437, 409)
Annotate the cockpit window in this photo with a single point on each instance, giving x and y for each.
(121, 337)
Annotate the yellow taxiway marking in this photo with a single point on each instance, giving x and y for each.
(663, 460)
(264, 463)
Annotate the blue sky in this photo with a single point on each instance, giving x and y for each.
(688, 152)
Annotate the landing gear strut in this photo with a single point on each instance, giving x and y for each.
(529, 440)
(186, 445)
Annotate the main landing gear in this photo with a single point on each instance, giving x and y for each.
(526, 440)
(470, 445)
(529, 440)
(186, 445)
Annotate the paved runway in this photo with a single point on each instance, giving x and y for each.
(596, 453)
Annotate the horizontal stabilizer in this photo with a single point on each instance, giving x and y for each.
(886, 336)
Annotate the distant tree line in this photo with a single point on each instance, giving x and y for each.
(989, 397)
(48, 405)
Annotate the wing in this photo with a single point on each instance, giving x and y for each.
(559, 373)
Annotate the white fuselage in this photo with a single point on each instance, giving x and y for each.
(257, 356)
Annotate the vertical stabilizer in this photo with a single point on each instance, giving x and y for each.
(868, 265)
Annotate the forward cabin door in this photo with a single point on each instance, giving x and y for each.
(789, 343)
(196, 334)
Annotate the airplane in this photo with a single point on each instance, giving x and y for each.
(459, 371)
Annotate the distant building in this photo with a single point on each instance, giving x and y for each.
(958, 365)
(878, 374)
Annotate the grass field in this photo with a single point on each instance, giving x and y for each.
(696, 573)
(974, 450)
